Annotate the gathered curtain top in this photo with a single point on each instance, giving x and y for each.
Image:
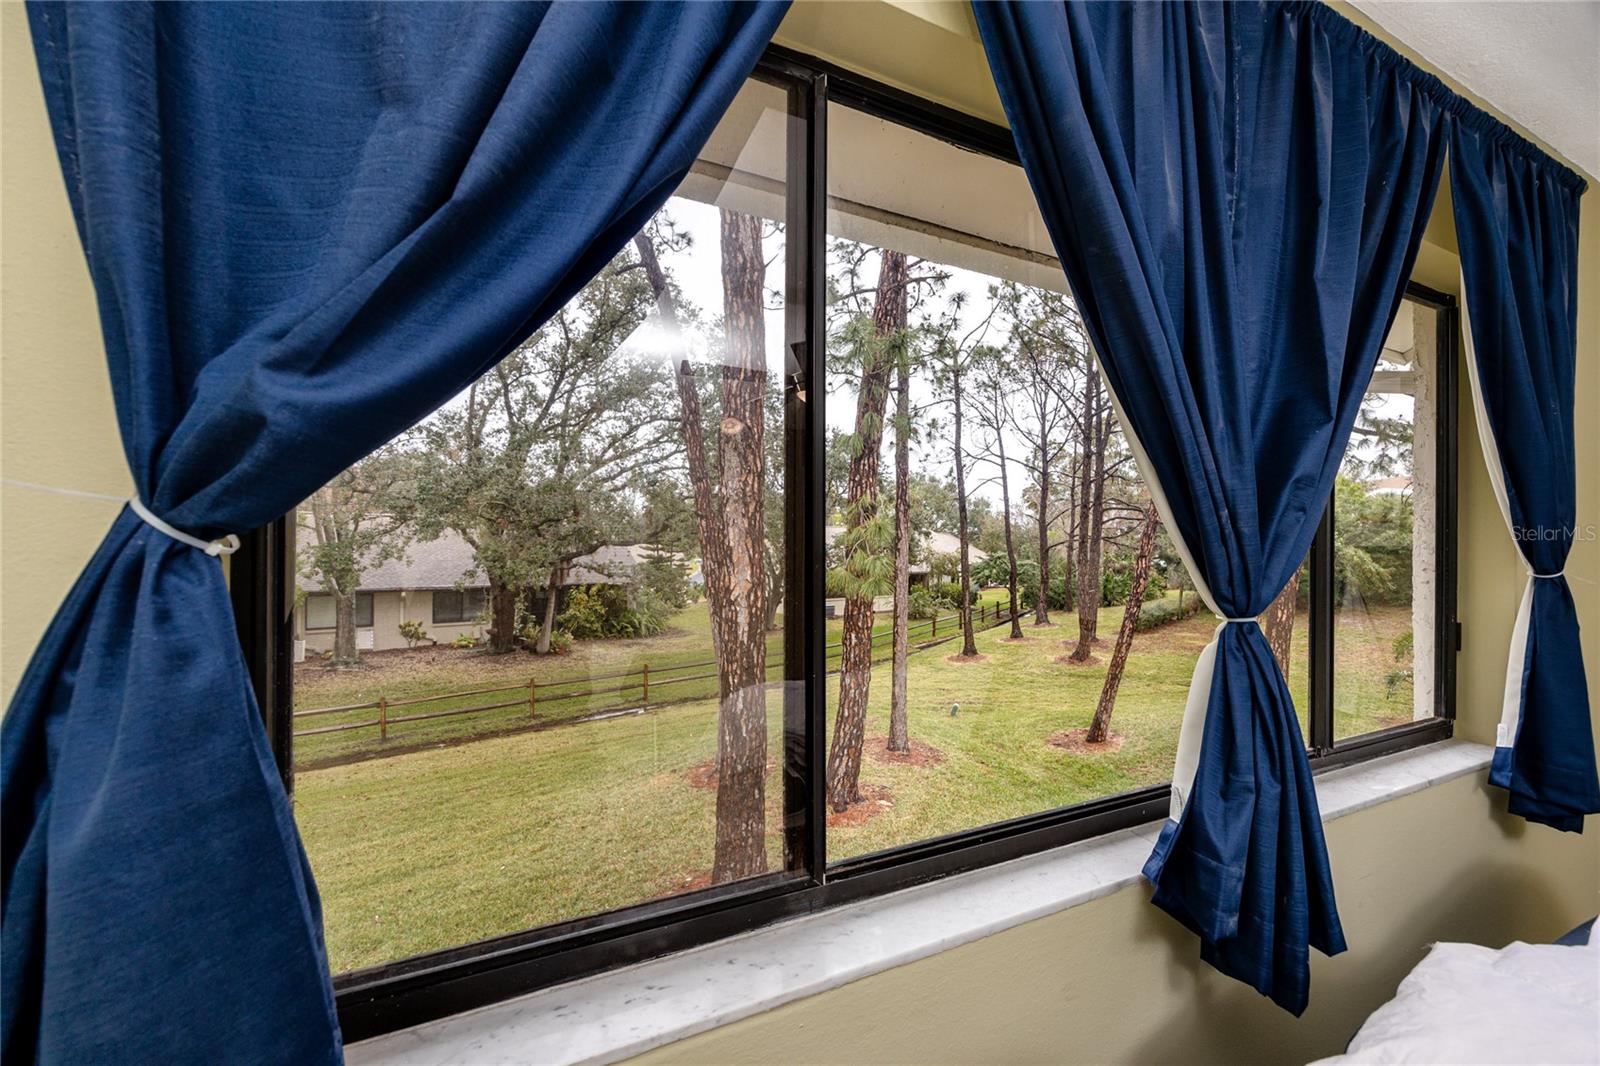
(1466, 113)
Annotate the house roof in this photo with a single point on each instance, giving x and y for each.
(936, 543)
(447, 563)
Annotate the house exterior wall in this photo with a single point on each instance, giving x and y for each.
(389, 609)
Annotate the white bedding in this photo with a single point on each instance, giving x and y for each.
(1526, 1003)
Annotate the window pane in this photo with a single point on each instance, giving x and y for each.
(364, 610)
(1386, 536)
(950, 329)
(570, 755)
(320, 612)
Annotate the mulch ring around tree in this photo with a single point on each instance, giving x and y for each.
(959, 658)
(875, 799)
(1076, 741)
(920, 754)
(704, 775)
(1093, 660)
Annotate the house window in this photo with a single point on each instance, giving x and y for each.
(322, 611)
(454, 606)
(680, 722)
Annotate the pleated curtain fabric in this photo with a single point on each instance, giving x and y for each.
(1516, 215)
(307, 225)
(1237, 193)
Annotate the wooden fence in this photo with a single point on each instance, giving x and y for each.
(647, 681)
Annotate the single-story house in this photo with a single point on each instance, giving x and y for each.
(935, 543)
(437, 583)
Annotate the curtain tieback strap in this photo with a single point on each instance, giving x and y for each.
(1239, 621)
(1547, 577)
(226, 546)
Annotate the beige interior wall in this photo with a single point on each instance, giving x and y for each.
(1115, 980)
(57, 426)
(1112, 980)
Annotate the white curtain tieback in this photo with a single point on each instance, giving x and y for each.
(226, 546)
(1547, 577)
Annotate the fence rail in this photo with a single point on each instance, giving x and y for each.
(538, 693)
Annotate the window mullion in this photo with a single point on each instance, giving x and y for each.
(1320, 679)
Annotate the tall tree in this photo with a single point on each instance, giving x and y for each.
(899, 723)
(1100, 726)
(1091, 514)
(1050, 350)
(997, 370)
(730, 517)
(356, 522)
(864, 536)
(544, 458)
(953, 359)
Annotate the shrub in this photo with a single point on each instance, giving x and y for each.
(922, 604)
(560, 641)
(465, 640)
(598, 612)
(1165, 612)
(584, 617)
(414, 632)
(950, 592)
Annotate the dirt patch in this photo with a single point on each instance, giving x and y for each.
(1075, 741)
(704, 775)
(958, 658)
(920, 754)
(1012, 640)
(875, 799)
(689, 882)
(1093, 660)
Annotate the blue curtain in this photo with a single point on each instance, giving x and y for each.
(307, 226)
(1237, 193)
(1516, 215)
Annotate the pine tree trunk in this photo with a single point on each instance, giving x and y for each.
(344, 629)
(1011, 548)
(855, 655)
(742, 668)
(551, 594)
(708, 516)
(969, 645)
(1091, 518)
(1100, 727)
(899, 727)
(1278, 622)
(1041, 602)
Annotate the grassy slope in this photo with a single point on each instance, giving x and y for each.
(447, 845)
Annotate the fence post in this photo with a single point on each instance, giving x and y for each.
(533, 705)
(647, 684)
(383, 717)
(935, 623)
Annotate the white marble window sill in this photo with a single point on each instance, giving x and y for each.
(620, 1013)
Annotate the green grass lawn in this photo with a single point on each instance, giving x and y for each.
(450, 844)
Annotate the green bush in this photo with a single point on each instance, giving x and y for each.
(414, 632)
(560, 641)
(600, 612)
(922, 604)
(950, 592)
(465, 640)
(1165, 612)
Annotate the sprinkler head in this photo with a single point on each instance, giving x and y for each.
(955, 709)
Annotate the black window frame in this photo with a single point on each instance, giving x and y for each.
(360, 598)
(437, 984)
(467, 613)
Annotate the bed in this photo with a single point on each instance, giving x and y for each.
(1524, 1003)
